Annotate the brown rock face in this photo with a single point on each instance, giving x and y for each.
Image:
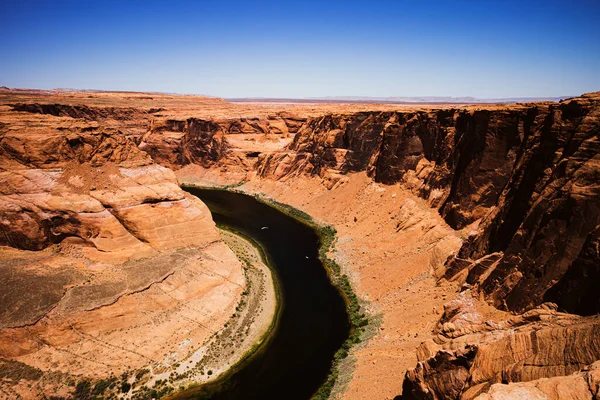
(106, 264)
(178, 143)
(470, 355)
(522, 182)
(527, 174)
(580, 385)
(131, 121)
(93, 186)
(235, 142)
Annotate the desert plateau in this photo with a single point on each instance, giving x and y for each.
(469, 234)
(316, 200)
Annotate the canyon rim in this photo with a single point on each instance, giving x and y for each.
(469, 234)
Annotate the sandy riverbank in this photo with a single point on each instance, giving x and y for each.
(245, 330)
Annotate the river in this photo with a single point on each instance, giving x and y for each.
(312, 321)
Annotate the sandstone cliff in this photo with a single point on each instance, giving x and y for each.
(522, 184)
(524, 178)
(107, 265)
(472, 354)
(217, 142)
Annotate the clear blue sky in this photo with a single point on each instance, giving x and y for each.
(481, 48)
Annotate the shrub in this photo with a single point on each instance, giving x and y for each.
(141, 373)
(125, 386)
(83, 390)
(103, 384)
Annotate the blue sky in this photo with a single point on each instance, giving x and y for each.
(482, 48)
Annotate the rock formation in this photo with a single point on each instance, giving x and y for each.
(525, 176)
(470, 354)
(88, 199)
(236, 142)
(522, 182)
(107, 265)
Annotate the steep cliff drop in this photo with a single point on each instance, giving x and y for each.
(522, 185)
(524, 177)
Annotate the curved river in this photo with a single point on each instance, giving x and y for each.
(312, 322)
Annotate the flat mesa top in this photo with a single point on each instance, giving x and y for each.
(184, 106)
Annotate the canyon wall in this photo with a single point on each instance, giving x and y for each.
(208, 142)
(522, 184)
(524, 181)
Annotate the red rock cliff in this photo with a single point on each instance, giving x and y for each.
(527, 175)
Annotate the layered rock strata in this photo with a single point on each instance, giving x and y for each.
(107, 266)
(518, 183)
(218, 142)
(523, 179)
(477, 358)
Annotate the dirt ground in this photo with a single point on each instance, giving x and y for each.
(245, 329)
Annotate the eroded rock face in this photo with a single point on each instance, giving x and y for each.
(131, 121)
(217, 142)
(106, 265)
(527, 175)
(93, 186)
(522, 183)
(580, 385)
(470, 355)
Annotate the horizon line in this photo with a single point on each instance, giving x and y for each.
(397, 99)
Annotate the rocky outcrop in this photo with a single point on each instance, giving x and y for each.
(471, 355)
(217, 142)
(80, 111)
(107, 265)
(132, 122)
(92, 185)
(581, 385)
(526, 174)
(177, 143)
